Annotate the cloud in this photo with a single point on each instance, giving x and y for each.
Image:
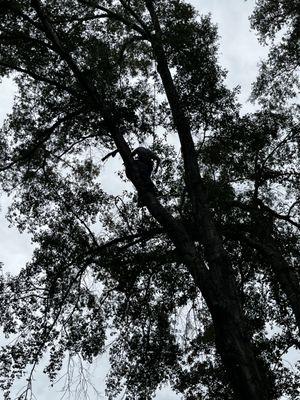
(7, 92)
(15, 248)
(239, 51)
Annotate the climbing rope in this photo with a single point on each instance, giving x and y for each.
(154, 103)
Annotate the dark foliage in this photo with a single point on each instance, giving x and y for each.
(200, 289)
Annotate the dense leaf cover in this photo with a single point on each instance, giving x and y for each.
(278, 22)
(212, 262)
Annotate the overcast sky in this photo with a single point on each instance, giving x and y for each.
(239, 54)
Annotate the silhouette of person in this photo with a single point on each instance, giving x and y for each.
(145, 159)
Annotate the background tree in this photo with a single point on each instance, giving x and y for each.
(219, 244)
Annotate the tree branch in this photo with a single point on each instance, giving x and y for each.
(16, 36)
(278, 216)
(270, 211)
(207, 233)
(117, 17)
(46, 134)
(288, 136)
(135, 16)
(53, 37)
(38, 77)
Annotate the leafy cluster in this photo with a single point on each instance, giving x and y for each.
(278, 21)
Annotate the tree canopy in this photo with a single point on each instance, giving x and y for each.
(200, 287)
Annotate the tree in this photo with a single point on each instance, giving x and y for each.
(218, 243)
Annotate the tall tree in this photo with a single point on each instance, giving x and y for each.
(218, 240)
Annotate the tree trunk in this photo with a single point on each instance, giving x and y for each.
(245, 370)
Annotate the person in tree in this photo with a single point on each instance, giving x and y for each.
(144, 159)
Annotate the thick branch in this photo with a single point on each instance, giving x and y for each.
(135, 16)
(54, 39)
(207, 231)
(174, 228)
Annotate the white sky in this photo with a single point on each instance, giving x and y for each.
(239, 54)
